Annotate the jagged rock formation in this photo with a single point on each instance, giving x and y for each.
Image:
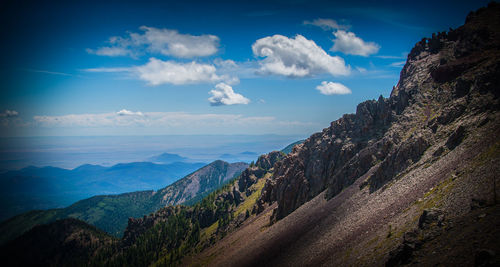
(447, 77)
(411, 179)
(405, 177)
(264, 164)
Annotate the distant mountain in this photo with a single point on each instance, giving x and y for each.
(166, 158)
(111, 212)
(407, 180)
(288, 149)
(196, 185)
(49, 187)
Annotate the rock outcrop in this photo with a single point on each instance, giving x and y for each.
(445, 78)
(206, 216)
(262, 166)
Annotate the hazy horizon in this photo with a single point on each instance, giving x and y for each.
(72, 151)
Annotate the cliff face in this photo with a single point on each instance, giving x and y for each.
(448, 86)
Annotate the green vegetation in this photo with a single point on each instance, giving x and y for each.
(17, 225)
(164, 237)
(67, 242)
(250, 201)
(111, 212)
(164, 244)
(188, 230)
(209, 231)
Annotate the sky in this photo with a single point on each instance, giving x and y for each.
(84, 68)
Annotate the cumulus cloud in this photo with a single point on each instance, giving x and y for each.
(9, 114)
(296, 57)
(157, 72)
(331, 88)
(223, 94)
(225, 64)
(162, 41)
(348, 43)
(327, 24)
(125, 112)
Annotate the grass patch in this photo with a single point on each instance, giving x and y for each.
(252, 199)
(209, 231)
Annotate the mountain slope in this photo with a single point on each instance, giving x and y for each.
(162, 237)
(111, 212)
(49, 187)
(411, 179)
(404, 178)
(197, 185)
(67, 242)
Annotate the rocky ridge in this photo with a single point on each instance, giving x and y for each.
(225, 208)
(405, 177)
(447, 78)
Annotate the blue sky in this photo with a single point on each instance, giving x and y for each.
(200, 67)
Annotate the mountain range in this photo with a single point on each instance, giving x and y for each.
(50, 187)
(407, 180)
(111, 212)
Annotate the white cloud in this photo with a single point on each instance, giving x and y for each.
(110, 51)
(157, 72)
(327, 24)
(147, 123)
(125, 112)
(165, 120)
(398, 64)
(226, 64)
(391, 57)
(163, 41)
(331, 88)
(9, 114)
(297, 57)
(361, 69)
(349, 43)
(223, 94)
